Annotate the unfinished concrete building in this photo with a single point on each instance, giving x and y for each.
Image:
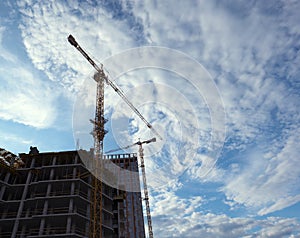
(49, 196)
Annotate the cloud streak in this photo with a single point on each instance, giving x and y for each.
(178, 217)
(24, 98)
(257, 80)
(251, 50)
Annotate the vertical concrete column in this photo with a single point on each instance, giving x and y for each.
(88, 210)
(51, 174)
(54, 160)
(69, 220)
(72, 188)
(87, 228)
(76, 159)
(73, 183)
(17, 221)
(2, 191)
(43, 221)
(46, 204)
(71, 203)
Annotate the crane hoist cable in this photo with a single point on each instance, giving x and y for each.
(73, 42)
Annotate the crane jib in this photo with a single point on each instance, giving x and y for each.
(73, 42)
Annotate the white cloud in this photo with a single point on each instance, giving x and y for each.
(4, 53)
(239, 51)
(243, 47)
(166, 202)
(45, 38)
(46, 26)
(14, 141)
(25, 99)
(13, 138)
(269, 182)
(240, 44)
(235, 49)
(178, 217)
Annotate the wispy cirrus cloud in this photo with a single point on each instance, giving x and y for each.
(250, 50)
(24, 98)
(270, 180)
(45, 28)
(181, 217)
(5, 54)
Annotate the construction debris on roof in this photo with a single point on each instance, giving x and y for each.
(9, 159)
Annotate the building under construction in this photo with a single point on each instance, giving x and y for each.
(49, 195)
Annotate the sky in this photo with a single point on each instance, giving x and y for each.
(219, 80)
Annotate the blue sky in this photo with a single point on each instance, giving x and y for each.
(250, 49)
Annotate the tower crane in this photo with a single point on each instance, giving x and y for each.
(100, 70)
(98, 134)
(146, 194)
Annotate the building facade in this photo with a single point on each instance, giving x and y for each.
(50, 196)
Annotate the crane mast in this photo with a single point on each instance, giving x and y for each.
(98, 133)
(146, 193)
